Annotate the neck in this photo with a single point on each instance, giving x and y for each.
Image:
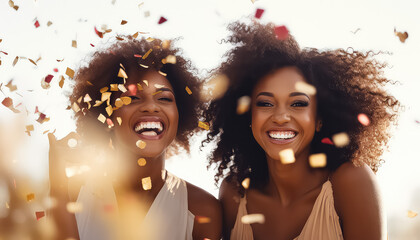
(289, 182)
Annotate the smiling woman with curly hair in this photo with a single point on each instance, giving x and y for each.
(288, 125)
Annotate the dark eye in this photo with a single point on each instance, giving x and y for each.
(300, 104)
(166, 99)
(134, 98)
(264, 104)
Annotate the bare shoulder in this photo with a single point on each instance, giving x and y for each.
(229, 198)
(357, 202)
(207, 211)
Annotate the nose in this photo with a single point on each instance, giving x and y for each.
(149, 106)
(281, 116)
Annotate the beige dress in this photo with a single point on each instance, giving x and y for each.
(323, 222)
(167, 218)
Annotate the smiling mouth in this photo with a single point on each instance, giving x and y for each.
(149, 128)
(281, 135)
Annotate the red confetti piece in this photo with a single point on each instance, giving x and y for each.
(36, 109)
(100, 34)
(92, 45)
(55, 69)
(137, 56)
(48, 78)
(259, 13)
(36, 24)
(281, 32)
(132, 89)
(5, 53)
(363, 119)
(109, 122)
(41, 118)
(39, 215)
(7, 102)
(327, 141)
(162, 20)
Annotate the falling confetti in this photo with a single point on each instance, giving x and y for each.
(401, 35)
(363, 119)
(72, 143)
(105, 96)
(253, 218)
(188, 90)
(243, 105)
(355, 31)
(110, 123)
(109, 110)
(215, 88)
(12, 5)
(204, 125)
(36, 24)
(132, 89)
(118, 103)
(29, 129)
(101, 118)
(104, 89)
(287, 156)
(119, 120)
(70, 72)
(122, 88)
(75, 107)
(74, 207)
(11, 86)
(341, 139)
(137, 55)
(123, 22)
(162, 20)
(411, 214)
(30, 197)
(141, 162)
(146, 183)
(87, 98)
(318, 160)
(143, 65)
(147, 54)
(245, 183)
(74, 43)
(146, 82)
(259, 13)
(49, 23)
(327, 141)
(305, 88)
(282, 33)
(141, 144)
(166, 44)
(162, 73)
(100, 34)
(140, 4)
(171, 59)
(15, 61)
(126, 100)
(39, 215)
(202, 219)
(122, 74)
(147, 14)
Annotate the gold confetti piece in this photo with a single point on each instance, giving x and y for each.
(15, 61)
(70, 72)
(305, 88)
(171, 59)
(74, 207)
(141, 144)
(149, 39)
(140, 4)
(122, 88)
(341, 139)
(87, 98)
(119, 120)
(146, 14)
(215, 88)
(146, 82)
(105, 96)
(146, 183)
(135, 35)
(101, 118)
(49, 23)
(80, 99)
(139, 87)
(144, 66)
(114, 87)
(119, 38)
(141, 162)
(61, 83)
(253, 218)
(188, 90)
(118, 103)
(162, 73)
(109, 110)
(156, 92)
(411, 214)
(74, 43)
(363, 119)
(202, 219)
(204, 125)
(72, 143)
(75, 107)
(287, 156)
(147, 54)
(401, 35)
(104, 89)
(318, 160)
(126, 100)
(32, 61)
(166, 44)
(123, 22)
(11, 3)
(253, 1)
(97, 103)
(122, 73)
(159, 86)
(30, 197)
(243, 105)
(11, 86)
(245, 183)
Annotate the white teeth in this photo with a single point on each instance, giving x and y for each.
(149, 133)
(282, 134)
(149, 125)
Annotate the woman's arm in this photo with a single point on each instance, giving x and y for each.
(357, 202)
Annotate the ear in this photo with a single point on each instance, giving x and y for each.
(318, 125)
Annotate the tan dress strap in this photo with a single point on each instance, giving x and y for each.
(241, 231)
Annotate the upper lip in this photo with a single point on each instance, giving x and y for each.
(148, 119)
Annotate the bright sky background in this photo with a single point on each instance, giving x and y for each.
(322, 24)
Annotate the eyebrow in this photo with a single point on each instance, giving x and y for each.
(165, 89)
(293, 94)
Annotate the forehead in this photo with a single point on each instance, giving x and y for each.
(152, 77)
(281, 80)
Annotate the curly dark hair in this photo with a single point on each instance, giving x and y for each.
(103, 69)
(347, 82)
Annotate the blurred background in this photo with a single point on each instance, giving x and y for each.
(45, 37)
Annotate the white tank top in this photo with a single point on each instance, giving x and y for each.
(167, 218)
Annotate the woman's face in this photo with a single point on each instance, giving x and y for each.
(283, 117)
(152, 116)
